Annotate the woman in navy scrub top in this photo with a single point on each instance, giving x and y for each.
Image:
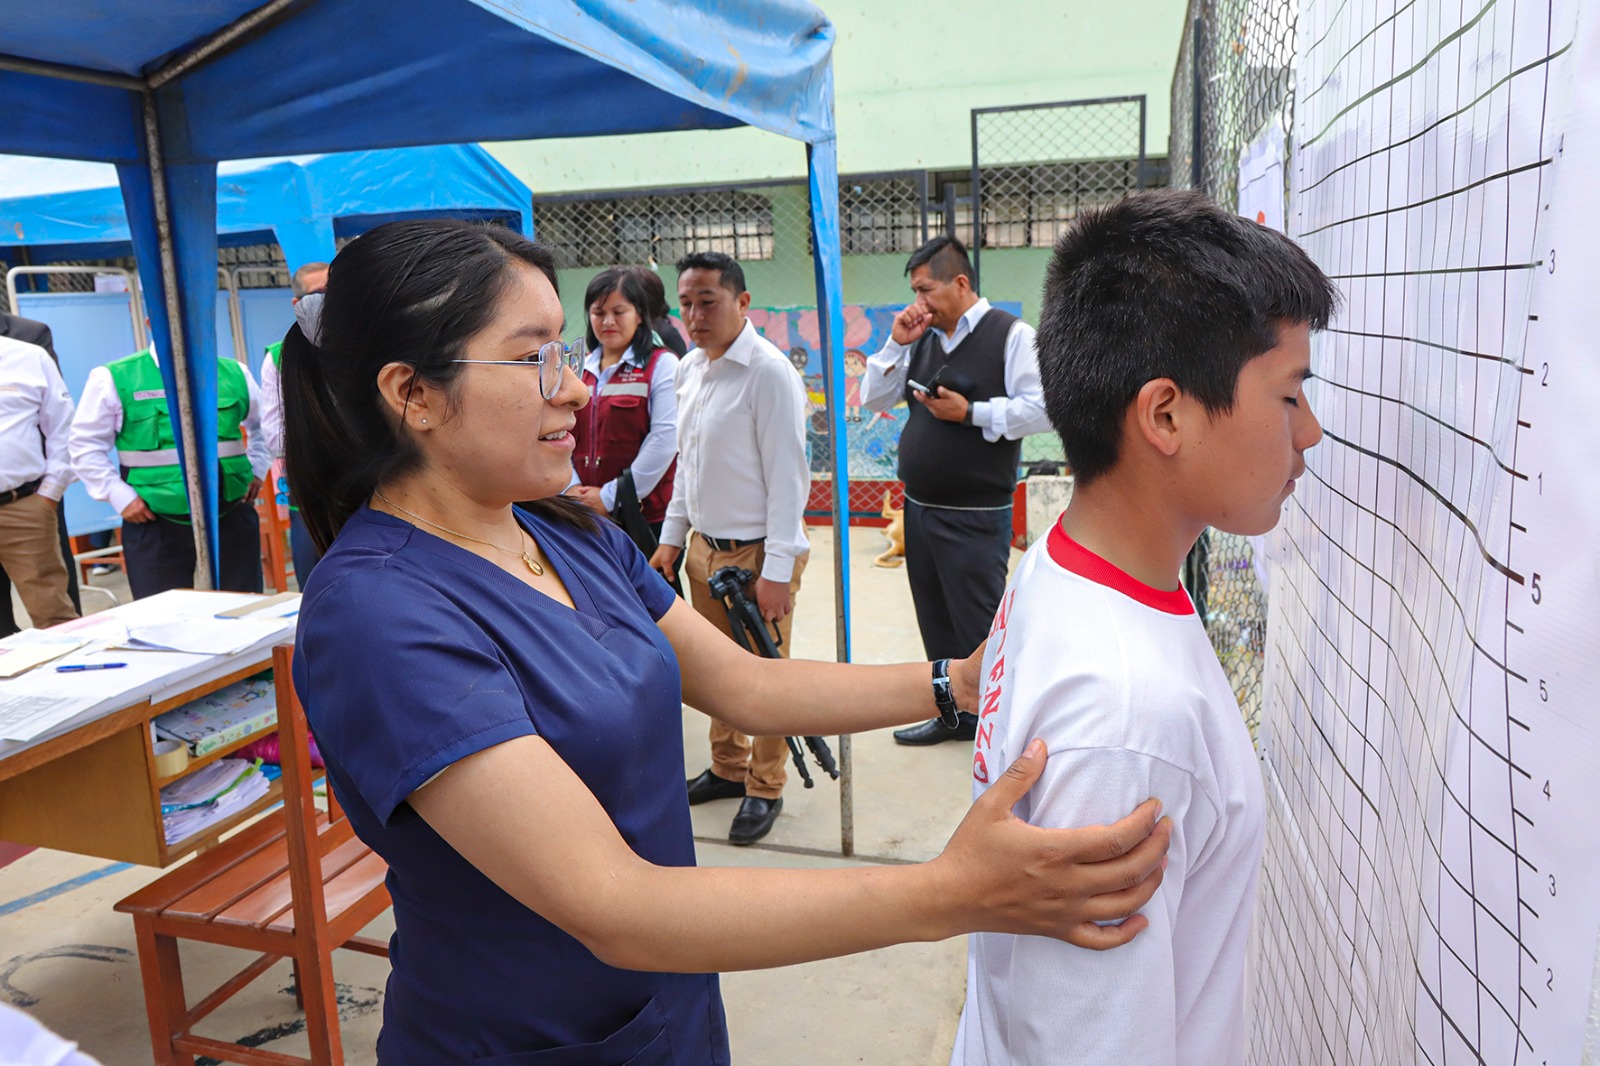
(498, 696)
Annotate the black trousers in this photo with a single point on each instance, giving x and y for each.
(160, 554)
(956, 563)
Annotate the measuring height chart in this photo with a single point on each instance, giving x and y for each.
(1431, 725)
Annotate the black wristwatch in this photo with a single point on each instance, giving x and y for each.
(966, 419)
(943, 697)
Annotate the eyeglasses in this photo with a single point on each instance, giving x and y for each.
(550, 359)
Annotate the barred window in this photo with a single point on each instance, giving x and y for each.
(659, 228)
(880, 216)
(255, 266)
(69, 282)
(1029, 206)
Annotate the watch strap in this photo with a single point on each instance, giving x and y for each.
(943, 696)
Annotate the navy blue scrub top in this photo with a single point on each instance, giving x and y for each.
(413, 653)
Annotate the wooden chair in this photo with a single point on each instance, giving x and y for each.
(274, 541)
(295, 884)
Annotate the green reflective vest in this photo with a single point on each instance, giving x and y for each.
(145, 444)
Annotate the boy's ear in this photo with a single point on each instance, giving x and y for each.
(1156, 415)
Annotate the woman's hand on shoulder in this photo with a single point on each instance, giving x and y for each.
(1012, 877)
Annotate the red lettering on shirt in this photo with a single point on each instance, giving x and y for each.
(991, 702)
(986, 735)
(998, 670)
(998, 629)
(980, 768)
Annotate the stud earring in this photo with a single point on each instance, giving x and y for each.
(424, 421)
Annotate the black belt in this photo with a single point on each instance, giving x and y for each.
(21, 492)
(721, 545)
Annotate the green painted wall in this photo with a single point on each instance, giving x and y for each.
(906, 78)
(905, 87)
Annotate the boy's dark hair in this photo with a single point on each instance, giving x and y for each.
(1162, 284)
(729, 272)
(945, 257)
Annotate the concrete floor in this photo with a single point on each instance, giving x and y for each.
(66, 958)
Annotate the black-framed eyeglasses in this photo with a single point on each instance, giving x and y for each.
(551, 359)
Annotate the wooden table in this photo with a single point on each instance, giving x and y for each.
(94, 789)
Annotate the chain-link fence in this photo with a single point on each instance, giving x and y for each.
(1034, 167)
(1233, 80)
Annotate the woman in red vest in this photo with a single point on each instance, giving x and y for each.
(631, 422)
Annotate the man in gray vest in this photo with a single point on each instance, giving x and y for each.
(971, 377)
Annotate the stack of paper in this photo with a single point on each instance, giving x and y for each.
(203, 636)
(210, 795)
(25, 715)
(27, 649)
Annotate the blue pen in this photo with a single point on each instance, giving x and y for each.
(76, 668)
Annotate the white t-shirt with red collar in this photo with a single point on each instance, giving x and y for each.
(1120, 681)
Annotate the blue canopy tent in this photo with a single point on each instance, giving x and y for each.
(75, 212)
(166, 89)
(300, 203)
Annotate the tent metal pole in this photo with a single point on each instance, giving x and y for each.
(179, 354)
(63, 72)
(823, 179)
(244, 26)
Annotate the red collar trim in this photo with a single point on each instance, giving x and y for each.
(1075, 558)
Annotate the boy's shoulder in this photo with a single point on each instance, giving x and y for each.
(1083, 664)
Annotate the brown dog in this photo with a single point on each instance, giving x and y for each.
(895, 554)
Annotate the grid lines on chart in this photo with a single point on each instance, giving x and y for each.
(1393, 875)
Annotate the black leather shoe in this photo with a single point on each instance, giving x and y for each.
(934, 731)
(708, 786)
(754, 819)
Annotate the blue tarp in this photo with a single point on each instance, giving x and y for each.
(300, 203)
(169, 87)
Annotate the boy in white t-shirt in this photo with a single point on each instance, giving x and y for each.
(1173, 345)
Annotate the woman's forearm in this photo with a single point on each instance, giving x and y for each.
(699, 920)
(799, 697)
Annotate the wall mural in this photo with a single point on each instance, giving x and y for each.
(873, 437)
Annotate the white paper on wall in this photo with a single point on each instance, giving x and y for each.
(1428, 736)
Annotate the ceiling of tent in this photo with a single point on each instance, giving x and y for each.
(330, 75)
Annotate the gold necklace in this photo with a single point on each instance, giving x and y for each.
(527, 557)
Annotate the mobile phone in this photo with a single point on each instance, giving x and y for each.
(919, 386)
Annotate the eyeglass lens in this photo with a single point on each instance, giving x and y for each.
(553, 359)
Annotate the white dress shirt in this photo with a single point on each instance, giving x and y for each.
(33, 400)
(271, 406)
(742, 472)
(99, 420)
(1012, 416)
(660, 445)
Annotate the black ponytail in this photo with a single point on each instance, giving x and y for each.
(409, 292)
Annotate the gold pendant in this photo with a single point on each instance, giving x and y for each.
(533, 564)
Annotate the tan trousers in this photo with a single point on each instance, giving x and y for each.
(760, 762)
(30, 552)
